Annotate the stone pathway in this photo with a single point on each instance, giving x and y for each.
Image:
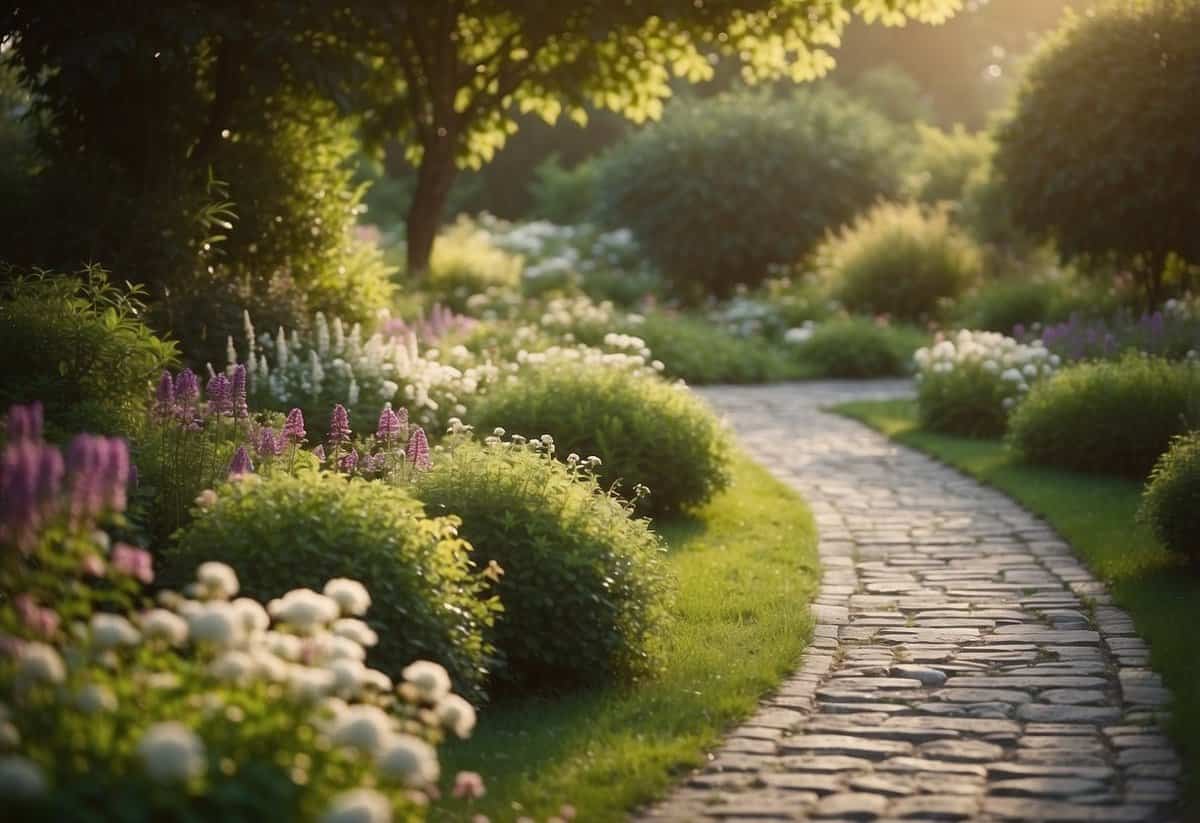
(965, 666)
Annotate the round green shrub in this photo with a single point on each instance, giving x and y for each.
(1100, 153)
(720, 190)
(647, 432)
(431, 602)
(695, 350)
(78, 344)
(969, 401)
(1116, 417)
(900, 260)
(1171, 500)
(945, 161)
(859, 347)
(583, 582)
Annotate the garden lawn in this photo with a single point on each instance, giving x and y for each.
(746, 568)
(1097, 515)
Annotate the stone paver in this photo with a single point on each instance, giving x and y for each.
(965, 665)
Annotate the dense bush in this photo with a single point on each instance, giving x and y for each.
(645, 431)
(78, 344)
(465, 261)
(693, 349)
(563, 195)
(297, 532)
(583, 581)
(1100, 154)
(859, 347)
(900, 260)
(1116, 417)
(969, 384)
(1171, 500)
(1003, 305)
(944, 163)
(721, 189)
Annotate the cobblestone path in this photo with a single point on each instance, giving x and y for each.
(965, 665)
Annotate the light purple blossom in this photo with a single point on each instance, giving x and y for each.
(348, 462)
(240, 464)
(187, 388)
(164, 395)
(417, 450)
(268, 443)
(24, 422)
(238, 393)
(392, 426)
(220, 399)
(293, 427)
(133, 561)
(30, 484)
(319, 453)
(339, 425)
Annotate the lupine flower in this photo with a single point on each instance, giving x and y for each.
(187, 389)
(268, 443)
(164, 395)
(238, 393)
(99, 476)
(240, 464)
(24, 422)
(339, 425)
(391, 426)
(220, 399)
(417, 450)
(30, 484)
(293, 427)
(348, 462)
(133, 561)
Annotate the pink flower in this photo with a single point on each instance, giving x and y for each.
(468, 785)
(92, 565)
(133, 561)
(40, 621)
(417, 451)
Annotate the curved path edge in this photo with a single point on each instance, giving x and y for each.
(964, 665)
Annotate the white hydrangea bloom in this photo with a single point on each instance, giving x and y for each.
(217, 623)
(254, 617)
(172, 752)
(431, 680)
(110, 631)
(352, 597)
(39, 663)
(95, 698)
(355, 630)
(456, 714)
(304, 610)
(162, 624)
(363, 727)
(409, 760)
(20, 778)
(358, 806)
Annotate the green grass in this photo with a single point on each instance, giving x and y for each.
(746, 567)
(1097, 515)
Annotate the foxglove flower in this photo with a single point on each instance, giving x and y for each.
(269, 443)
(348, 462)
(240, 464)
(339, 425)
(164, 395)
(417, 450)
(238, 393)
(392, 426)
(25, 423)
(30, 482)
(293, 427)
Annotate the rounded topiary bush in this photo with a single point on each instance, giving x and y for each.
(298, 532)
(582, 582)
(859, 347)
(900, 260)
(720, 190)
(1116, 417)
(1171, 500)
(645, 431)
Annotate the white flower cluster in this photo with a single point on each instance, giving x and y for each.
(1017, 366)
(309, 645)
(334, 364)
(556, 252)
(746, 317)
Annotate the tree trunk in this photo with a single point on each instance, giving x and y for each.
(434, 179)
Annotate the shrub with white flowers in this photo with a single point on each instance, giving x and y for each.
(969, 383)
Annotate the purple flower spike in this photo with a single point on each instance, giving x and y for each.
(348, 462)
(238, 393)
(339, 425)
(164, 396)
(417, 451)
(25, 423)
(269, 443)
(99, 470)
(240, 464)
(391, 427)
(293, 427)
(30, 485)
(220, 400)
(187, 388)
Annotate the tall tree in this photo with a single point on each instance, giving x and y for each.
(454, 74)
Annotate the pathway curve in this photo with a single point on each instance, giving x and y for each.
(965, 665)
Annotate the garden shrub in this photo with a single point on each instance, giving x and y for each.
(721, 189)
(1005, 305)
(78, 344)
(563, 195)
(944, 162)
(969, 384)
(1171, 500)
(900, 260)
(465, 261)
(583, 581)
(1115, 417)
(859, 347)
(296, 532)
(693, 349)
(646, 432)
